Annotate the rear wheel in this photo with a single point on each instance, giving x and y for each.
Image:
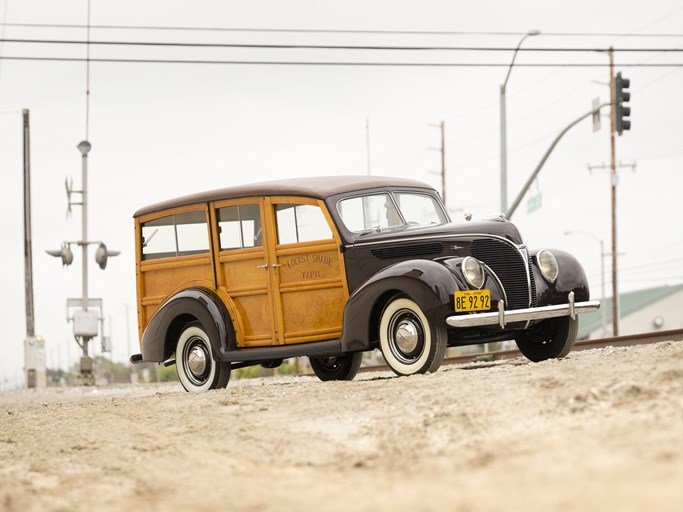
(341, 367)
(197, 369)
(550, 339)
(410, 343)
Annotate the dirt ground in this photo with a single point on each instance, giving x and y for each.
(601, 430)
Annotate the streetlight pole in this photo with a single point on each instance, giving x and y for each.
(503, 128)
(603, 311)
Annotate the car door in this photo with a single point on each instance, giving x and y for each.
(242, 269)
(307, 277)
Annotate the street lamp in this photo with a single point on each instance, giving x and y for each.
(503, 129)
(602, 274)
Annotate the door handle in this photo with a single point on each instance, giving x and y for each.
(275, 266)
(262, 266)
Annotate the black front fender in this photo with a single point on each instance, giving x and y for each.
(200, 304)
(429, 283)
(571, 278)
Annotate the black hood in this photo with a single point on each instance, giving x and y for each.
(502, 229)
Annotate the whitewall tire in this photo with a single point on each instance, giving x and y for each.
(410, 343)
(197, 369)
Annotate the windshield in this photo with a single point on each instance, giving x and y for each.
(385, 211)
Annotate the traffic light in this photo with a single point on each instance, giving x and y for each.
(622, 95)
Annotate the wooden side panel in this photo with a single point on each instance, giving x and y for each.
(163, 278)
(247, 285)
(158, 279)
(312, 292)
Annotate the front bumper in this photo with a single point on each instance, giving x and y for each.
(502, 317)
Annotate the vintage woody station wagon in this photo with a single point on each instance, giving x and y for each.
(331, 267)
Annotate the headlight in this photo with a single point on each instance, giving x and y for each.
(548, 265)
(473, 272)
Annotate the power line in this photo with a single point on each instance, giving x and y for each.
(342, 63)
(337, 47)
(337, 31)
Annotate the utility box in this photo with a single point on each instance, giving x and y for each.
(35, 373)
(86, 323)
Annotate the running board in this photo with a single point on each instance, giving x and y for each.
(259, 354)
(313, 349)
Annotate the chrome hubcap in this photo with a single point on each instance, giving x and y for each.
(196, 361)
(406, 336)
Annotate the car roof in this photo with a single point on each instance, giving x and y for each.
(319, 187)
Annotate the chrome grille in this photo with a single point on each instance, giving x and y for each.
(534, 296)
(510, 267)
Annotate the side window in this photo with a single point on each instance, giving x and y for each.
(239, 226)
(300, 223)
(175, 235)
(367, 212)
(420, 209)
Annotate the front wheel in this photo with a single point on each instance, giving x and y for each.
(341, 367)
(197, 369)
(410, 343)
(549, 339)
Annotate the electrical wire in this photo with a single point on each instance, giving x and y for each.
(344, 63)
(338, 47)
(339, 31)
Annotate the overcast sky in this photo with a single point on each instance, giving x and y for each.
(163, 130)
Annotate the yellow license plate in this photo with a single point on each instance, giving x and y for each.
(472, 300)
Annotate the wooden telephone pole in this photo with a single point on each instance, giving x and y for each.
(35, 374)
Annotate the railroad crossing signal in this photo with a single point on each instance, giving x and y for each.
(621, 96)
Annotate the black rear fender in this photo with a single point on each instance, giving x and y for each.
(194, 304)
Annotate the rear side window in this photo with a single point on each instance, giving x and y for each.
(182, 234)
(301, 223)
(239, 226)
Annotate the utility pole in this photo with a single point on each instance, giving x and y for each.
(28, 250)
(35, 375)
(613, 165)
